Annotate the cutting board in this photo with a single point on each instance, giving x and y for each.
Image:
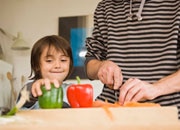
(137, 118)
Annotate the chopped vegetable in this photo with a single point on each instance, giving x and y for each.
(128, 104)
(108, 112)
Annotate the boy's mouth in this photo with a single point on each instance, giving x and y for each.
(56, 71)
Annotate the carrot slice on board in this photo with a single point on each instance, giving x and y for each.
(108, 112)
(137, 104)
(105, 105)
(101, 104)
(128, 104)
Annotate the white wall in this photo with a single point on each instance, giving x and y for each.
(35, 19)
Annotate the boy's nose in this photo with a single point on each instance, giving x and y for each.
(57, 64)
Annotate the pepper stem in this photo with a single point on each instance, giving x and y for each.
(78, 79)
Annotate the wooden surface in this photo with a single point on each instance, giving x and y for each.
(139, 118)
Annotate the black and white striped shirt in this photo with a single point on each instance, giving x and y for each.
(148, 49)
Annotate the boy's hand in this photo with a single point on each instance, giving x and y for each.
(36, 87)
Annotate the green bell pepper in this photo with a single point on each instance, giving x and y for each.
(52, 98)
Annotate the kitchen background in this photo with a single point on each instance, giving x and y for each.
(33, 19)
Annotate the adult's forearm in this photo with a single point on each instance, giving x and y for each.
(92, 68)
(169, 84)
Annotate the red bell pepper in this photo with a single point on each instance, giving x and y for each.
(80, 95)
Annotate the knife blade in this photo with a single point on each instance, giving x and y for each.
(116, 95)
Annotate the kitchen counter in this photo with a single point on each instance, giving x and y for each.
(136, 118)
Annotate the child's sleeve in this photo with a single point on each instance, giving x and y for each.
(32, 103)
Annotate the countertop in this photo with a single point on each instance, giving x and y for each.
(137, 118)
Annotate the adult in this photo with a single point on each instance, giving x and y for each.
(134, 51)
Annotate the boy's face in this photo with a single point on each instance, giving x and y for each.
(54, 65)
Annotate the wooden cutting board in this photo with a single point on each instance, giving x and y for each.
(138, 118)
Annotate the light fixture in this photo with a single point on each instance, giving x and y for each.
(20, 43)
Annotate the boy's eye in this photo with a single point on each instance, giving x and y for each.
(63, 60)
(48, 60)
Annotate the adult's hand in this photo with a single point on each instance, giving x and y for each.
(110, 74)
(134, 90)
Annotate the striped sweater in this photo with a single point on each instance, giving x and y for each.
(146, 47)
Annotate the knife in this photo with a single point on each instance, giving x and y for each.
(116, 95)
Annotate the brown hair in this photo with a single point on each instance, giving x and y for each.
(59, 43)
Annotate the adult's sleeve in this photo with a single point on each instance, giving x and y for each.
(96, 45)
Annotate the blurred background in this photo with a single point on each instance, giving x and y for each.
(30, 20)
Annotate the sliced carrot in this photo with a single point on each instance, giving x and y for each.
(129, 104)
(101, 104)
(136, 104)
(108, 112)
(105, 105)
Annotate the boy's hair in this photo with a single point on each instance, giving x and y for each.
(59, 43)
